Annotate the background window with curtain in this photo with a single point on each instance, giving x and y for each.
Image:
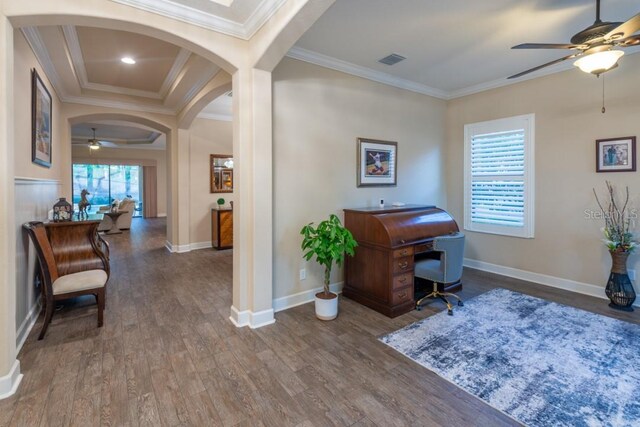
(107, 182)
(499, 176)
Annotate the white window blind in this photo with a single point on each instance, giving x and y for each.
(498, 171)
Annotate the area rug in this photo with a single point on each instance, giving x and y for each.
(542, 363)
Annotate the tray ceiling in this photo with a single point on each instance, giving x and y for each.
(84, 66)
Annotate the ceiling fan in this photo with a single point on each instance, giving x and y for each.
(93, 143)
(593, 45)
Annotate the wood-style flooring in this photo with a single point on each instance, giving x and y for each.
(169, 356)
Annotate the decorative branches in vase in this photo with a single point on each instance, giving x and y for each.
(620, 242)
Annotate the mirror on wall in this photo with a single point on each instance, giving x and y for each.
(221, 173)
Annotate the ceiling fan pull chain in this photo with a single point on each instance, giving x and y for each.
(604, 110)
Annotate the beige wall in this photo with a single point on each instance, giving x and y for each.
(568, 121)
(158, 156)
(24, 61)
(318, 114)
(205, 137)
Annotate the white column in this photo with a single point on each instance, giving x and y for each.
(178, 190)
(252, 217)
(9, 366)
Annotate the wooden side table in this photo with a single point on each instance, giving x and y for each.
(114, 221)
(222, 228)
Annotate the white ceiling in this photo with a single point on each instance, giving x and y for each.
(238, 18)
(453, 47)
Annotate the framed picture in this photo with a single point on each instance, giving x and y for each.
(40, 121)
(377, 163)
(616, 154)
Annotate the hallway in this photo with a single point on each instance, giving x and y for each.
(168, 355)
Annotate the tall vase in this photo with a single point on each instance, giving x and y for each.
(619, 288)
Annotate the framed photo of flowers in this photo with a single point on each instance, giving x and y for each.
(40, 121)
(377, 163)
(616, 154)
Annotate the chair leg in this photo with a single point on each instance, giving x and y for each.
(48, 314)
(443, 296)
(100, 301)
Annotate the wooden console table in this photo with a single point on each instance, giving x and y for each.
(222, 228)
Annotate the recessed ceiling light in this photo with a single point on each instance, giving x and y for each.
(128, 60)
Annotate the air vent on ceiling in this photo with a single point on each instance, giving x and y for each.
(392, 59)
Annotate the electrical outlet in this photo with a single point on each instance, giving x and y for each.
(303, 274)
(632, 274)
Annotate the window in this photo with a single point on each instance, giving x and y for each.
(107, 182)
(499, 176)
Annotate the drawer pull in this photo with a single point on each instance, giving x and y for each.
(402, 295)
(402, 279)
(405, 252)
(403, 265)
(402, 241)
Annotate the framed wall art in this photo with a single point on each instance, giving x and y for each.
(616, 154)
(377, 163)
(221, 173)
(41, 113)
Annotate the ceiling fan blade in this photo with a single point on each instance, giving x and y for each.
(531, 70)
(626, 28)
(545, 46)
(629, 41)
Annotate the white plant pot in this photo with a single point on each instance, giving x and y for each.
(326, 309)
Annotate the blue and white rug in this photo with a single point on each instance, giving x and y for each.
(542, 363)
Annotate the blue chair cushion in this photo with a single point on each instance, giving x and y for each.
(429, 269)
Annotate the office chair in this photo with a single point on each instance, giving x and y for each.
(446, 270)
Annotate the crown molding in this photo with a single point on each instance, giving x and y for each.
(97, 102)
(178, 65)
(196, 88)
(32, 35)
(364, 72)
(213, 116)
(75, 52)
(190, 15)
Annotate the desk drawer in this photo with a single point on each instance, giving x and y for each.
(403, 265)
(402, 280)
(399, 253)
(402, 295)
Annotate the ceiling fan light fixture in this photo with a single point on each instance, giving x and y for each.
(93, 143)
(599, 62)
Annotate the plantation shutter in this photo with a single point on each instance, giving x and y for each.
(497, 170)
(499, 176)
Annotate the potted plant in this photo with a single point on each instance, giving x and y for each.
(220, 202)
(620, 243)
(328, 242)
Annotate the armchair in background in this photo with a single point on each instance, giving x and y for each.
(124, 220)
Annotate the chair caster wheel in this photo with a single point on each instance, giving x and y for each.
(450, 312)
(460, 304)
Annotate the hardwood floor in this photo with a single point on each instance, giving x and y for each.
(168, 355)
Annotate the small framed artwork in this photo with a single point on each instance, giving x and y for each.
(377, 163)
(616, 154)
(40, 121)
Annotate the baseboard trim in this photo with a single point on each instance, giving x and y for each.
(27, 325)
(180, 249)
(9, 383)
(303, 297)
(543, 279)
(161, 215)
(200, 245)
(177, 249)
(251, 319)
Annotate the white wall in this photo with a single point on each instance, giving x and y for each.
(206, 137)
(38, 187)
(318, 114)
(568, 121)
(159, 157)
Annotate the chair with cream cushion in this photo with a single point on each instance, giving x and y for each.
(124, 220)
(56, 287)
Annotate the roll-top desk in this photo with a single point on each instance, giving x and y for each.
(380, 275)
